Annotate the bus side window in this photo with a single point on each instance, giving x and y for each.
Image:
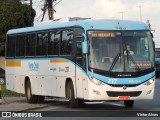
(20, 45)
(11, 41)
(30, 44)
(53, 43)
(42, 41)
(80, 58)
(79, 53)
(67, 42)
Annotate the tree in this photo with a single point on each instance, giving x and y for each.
(13, 15)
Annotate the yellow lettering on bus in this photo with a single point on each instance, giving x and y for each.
(102, 34)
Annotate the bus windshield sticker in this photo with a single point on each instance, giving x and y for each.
(140, 64)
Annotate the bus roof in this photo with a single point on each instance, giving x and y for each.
(101, 24)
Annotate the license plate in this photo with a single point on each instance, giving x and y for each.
(123, 97)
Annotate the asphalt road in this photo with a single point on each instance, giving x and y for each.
(96, 110)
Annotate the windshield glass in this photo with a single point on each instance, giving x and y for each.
(128, 51)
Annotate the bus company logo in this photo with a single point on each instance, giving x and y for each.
(124, 87)
(65, 69)
(53, 69)
(33, 66)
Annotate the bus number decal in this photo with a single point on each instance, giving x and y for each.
(112, 81)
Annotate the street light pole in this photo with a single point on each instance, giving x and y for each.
(140, 7)
(122, 14)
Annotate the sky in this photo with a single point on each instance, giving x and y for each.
(107, 9)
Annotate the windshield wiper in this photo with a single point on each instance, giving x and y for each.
(115, 61)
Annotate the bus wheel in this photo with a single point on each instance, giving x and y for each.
(28, 92)
(70, 95)
(129, 103)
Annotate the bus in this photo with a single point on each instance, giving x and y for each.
(82, 60)
(157, 62)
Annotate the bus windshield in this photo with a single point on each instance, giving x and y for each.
(127, 51)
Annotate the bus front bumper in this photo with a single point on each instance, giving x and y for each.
(106, 92)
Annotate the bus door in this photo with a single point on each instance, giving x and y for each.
(79, 64)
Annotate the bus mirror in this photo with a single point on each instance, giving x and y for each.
(84, 47)
(85, 38)
(82, 36)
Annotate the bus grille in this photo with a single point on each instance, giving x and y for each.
(116, 94)
(114, 85)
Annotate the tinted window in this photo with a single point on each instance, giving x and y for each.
(42, 41)
(30, 44)
(20, 45)
(11, 41)
(53, 43)
(67, 42)
(79, 39)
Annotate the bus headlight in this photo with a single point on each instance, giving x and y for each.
(95, 81)
(149, 82)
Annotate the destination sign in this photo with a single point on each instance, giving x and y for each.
(102, 34)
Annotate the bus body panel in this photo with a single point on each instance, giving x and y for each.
(47, 77)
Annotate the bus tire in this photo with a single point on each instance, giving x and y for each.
(28, 92)
(70, 95)
(129, 103)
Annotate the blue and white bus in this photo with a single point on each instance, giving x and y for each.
(83, 60)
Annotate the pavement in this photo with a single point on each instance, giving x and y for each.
(18, 104)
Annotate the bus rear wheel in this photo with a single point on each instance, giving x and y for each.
(129, 103)
(70, 95)
(28, 92)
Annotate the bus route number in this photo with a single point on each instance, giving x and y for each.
(112, 81)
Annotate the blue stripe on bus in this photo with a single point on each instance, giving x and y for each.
(121, 81)
(41, 58)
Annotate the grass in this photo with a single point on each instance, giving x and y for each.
(6, 92)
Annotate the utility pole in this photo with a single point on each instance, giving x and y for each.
(50, 9)
(31, 3)
(49, 5)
